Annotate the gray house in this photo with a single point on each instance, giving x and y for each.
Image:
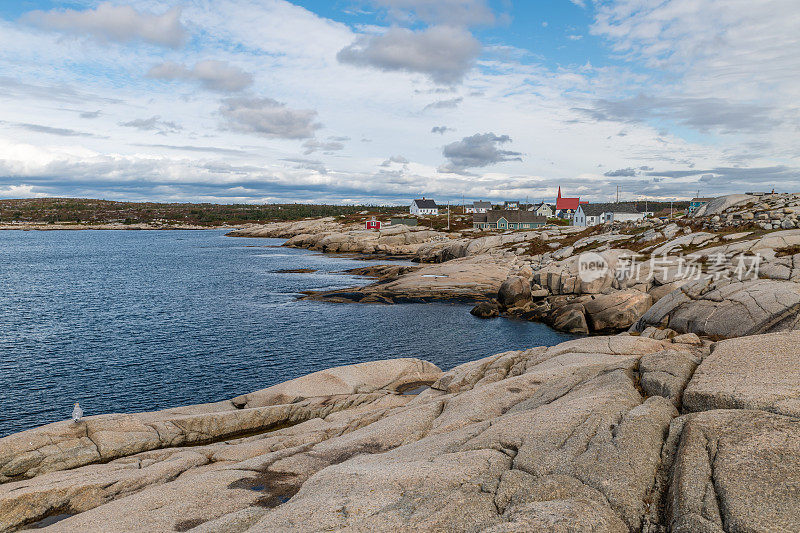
(543, 210)
(594, 214)
(479, 207)
(504, 219)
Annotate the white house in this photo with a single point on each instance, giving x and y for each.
(626, 215)
(424, 206)
(594, 214)
(589, 215)
(543, 210)
(479, 207)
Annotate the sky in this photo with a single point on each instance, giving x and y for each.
(383, 101)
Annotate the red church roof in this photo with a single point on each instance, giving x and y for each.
(567, 203)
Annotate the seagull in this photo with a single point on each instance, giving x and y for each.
(77, 413)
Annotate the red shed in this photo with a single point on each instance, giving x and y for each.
(373, 224)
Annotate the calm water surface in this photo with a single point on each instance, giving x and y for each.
(126, 321)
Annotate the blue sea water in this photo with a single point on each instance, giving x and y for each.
(126, 321)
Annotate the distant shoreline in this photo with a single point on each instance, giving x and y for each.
(78, 227)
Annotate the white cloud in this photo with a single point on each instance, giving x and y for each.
(399, 159)
(265, 116)
(566, 119)
(153, 123)
(444, 53)
(450, 103)
(214, 75)
(314, 145)
(109, 22)
(738, 48)
(479, 150)
(21, 191)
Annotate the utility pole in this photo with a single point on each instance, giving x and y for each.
(617, 193)
(670, 209)
(448, 215)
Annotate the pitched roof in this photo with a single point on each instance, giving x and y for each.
(425, 203)
(593, 210)
(621, 207)
(566, 203)
(482, 205)
(512, 216)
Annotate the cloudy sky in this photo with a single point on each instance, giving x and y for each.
(380, 101)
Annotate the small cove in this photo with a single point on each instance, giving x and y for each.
(126, 321)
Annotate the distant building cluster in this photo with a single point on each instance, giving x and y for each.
(516, 215)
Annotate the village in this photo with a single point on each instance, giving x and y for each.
(565, 211)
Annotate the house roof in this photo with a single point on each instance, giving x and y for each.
(425, 203)
(702, 199)
(512, 216)
(482, 205)
(621, 207)
(567, 203)
(593, 210)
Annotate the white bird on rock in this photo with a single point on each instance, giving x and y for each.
(77, 413)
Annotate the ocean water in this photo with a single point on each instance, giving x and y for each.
(126, 321)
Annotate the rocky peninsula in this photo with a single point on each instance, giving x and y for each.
(729, 270)
(680, 413)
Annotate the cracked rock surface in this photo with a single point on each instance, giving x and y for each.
(725, 309)
(616, 433)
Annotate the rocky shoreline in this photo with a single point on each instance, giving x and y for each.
(535, 275)
(680, 414)
(607, 433)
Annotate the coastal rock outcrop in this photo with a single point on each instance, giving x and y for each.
(65, 445)
(584, 435)
(733, 470)
(723, 309)
(761, 372)
(468, 279)
(362, 378)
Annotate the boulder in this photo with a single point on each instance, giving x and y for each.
(616, 311)
(569, 276)
(514, 292)
(570, 318)
(486, 310)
